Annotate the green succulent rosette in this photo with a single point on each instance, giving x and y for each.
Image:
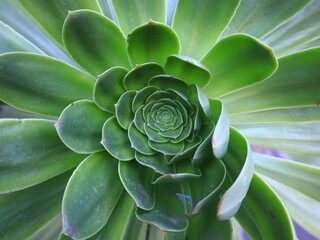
(115, 126)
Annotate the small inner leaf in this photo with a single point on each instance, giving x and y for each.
(165, 81)
(141, 97)
(139, 141)
(167, 148)
(124, 112)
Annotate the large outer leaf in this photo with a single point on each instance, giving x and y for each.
(208, 17)
(94, 41)
(258, 17)
(295, 83)
(49, 231)
(239, 164)
(91, 195)
(263, 215)
(31, 152)
(51, 13)
(41, 84)
(130, 14)
(301, 177)
(238, 61)
(25, 211)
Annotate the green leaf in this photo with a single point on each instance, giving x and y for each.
(116, 141)
(137, 181)
(157, 162)
(301, 177)
(79, 126)
(141, 97)
(168, 217)
(152, 42)
(291, 114)
(296, 83)
(239, 164)
(198, 97)
(7, 111)
(94, 41)
(206, 226)
(167, 148)
(52, 13)
(124, 112)
(188, 69)
(31, 152)
(139, 141)
(208, 17)
(95, 194)
(220, 137)
(109, 88)
(238, 61)
(49, 231)
(139, 76)
(11, 41)
(298, 33)
(260, 18)
(165, 81)
(263, 215)
(303, 209)
(48, 84)
(205, 148)
(300, 137)
(136, 12)
(36, 205)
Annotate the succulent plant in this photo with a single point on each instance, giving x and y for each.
(130, 119)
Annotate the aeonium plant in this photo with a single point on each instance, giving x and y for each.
(130, 136)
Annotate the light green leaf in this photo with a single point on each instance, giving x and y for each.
(48, 84)
(11, 41)
(7, 111)
(31, 152)
(238, 61)
(137, 181)
(94, 41)
(116, 141)
(263, 215)
(220, 137)
(208, 17)
(165, 81)
(139, 76)
(133, 13)
(303, 209)
(124, 111)
(188, 69)
(296, 83)
(260, 17)
(79, 126)
(301, 177)
(49, 231)
(168, 217)
(51, 13)
(291, 114)
(36, 205)
(95, 195)
(152, 42)
(109, 88)
(239, 164)
(299, 30)
(300, 137)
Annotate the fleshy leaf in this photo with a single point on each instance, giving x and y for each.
(94, 41)
(31, 152)
(49, 231)
(152, 42)
(124, 112)
(263, 215)
(188, 69)
(167, 148)
(52, 13)
(139, 141)
(29, 206)
(239, 164)
(303, 178)
(238, 61)
(139, 76)
(198, 34)
(79, 126)
(141, 97)
(220, 137)
(116, 141)
(198, 97)
(205, 148)
(165, 81)
(169, 217)
(95, 194)
(48, 84)
(157, 162)
(296, 83)
(136, 12)
(137, 181)
(109, 88)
